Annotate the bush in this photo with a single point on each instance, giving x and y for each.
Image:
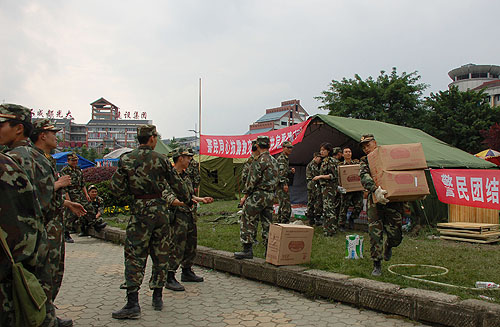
(94, 175)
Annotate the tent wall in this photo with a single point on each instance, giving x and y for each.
(220, 178)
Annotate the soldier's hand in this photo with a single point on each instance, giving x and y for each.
(380, 195)
(242, 201)
(76, 208)
(341, 189)
(62, 181)
(207, 200)
(285, 188)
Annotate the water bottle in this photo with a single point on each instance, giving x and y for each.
(487, 285)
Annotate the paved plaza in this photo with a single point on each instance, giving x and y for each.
(94, 272)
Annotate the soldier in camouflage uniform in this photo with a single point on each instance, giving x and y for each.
(193, 172)
(97, 202)
(150, 178)
(184, 238)
(77, 192)
(314, 200)
(258, 199)
(383, 215)
(21, 227)
(285, 179)
(246, 166)
(350, 199)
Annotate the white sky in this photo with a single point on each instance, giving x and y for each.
(251, 54)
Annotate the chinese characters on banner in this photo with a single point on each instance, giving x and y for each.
(241, 146)
(468, 187)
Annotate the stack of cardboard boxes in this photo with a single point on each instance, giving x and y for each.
(399, 169)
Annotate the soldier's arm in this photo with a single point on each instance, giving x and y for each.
(282, 170)
(366, 177)
(309, 173)
(168, 195)
(177, 184)
(254, 175)
(119, 180)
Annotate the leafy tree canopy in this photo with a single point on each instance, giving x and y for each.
(390, 98)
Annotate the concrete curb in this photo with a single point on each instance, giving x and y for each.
(416, 304)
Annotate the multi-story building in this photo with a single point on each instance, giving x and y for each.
(478, 77)
(289, 113)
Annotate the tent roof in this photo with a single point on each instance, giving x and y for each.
(348, 131)
(204, 158)
(117, 153)
(62, 160)
(487, 153)
(162, 147)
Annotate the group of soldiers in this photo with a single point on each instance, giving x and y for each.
(265, 179)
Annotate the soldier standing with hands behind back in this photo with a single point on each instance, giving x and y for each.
(383, 215)
(285, 177)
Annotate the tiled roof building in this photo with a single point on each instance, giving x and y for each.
(289, 113)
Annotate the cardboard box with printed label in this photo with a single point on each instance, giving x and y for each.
(397, 157)
(349, 178)
(289, 244)
(406, 185)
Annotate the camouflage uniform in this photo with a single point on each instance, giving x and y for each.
(97, 204)
(146, 174)
(193, 172)
(314, 200)
(76, 194)
(260, 188)
(22, 228)
(329, 192)
(350, 199)
(381, 217)
(284, 171)
(245, 172)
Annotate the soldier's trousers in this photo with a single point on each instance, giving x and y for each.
(285, 207)
(72, 221)
(384, 218)
(183, 240)
(351, 199)
(56, 252)
(258, 207)
(331, 207)
(147, 232)
(314, 201)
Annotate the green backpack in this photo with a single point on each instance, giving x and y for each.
(28, 295)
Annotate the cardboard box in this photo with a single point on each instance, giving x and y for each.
(289, 244)
(349, 178)
(407, 185)
(397, 157)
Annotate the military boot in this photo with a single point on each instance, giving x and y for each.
(84, 230)
(247, 252)
(157, 301)
(67, 238)
(64, 322)
(188, 275)
(387, 253)
(172, 283)
(131, 309)
(377, 268)
(99, 226)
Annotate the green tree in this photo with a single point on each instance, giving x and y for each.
(173, 144)
(105, 151)
(84, 151)
(92, 154)
(390, 98)
(458, 118)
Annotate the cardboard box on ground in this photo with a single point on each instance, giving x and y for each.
(399, 169)
(289, 244)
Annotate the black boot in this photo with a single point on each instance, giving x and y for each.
(351, 224)
(84, 230)
(99, 226)
(64, 322)
(188, 275)
(377, 268)
(131, 309)
(172, 283)
(67, 238)
(247, 252)
(387, 253)
(157, 301)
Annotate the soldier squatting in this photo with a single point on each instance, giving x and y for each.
(39, 208)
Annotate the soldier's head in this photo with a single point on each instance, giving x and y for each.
(326, 149)
(15, 123)
(181, 157)
(254, 146)
(347, 153)
(287, 147)
(317, 157)
(72, 159)
(262, 143)
(337, 152)
(92, 192)
(368, 143)
(147, 135)
(44, 134)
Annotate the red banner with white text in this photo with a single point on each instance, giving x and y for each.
(467, 187)
(240, 146)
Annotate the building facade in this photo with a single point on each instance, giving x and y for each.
(478, 77)
(289, 113)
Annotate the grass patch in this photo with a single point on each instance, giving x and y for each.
(218, 228)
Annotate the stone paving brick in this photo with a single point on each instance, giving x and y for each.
(94, 272)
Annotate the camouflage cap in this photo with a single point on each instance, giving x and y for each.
(366, 138)
(254, 142)
(181, 151)
(72, 156)
(43, 125)
(191, 151)
(9, 111)
(287, 144)
(146, 130)
(262, 140)
(336, 150)
(92, 187)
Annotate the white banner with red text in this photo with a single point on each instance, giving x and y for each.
(467, 187)
(240, 146)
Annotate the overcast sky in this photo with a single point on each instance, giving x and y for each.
(251, 54)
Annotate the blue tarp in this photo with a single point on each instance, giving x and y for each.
(62, 160)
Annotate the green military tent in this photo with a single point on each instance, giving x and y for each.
(162, 148)
(342, 132)
(220, 177)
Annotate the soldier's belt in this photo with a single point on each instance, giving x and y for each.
(147, 196)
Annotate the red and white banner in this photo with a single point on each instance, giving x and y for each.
(467, 187)
(240, 146)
